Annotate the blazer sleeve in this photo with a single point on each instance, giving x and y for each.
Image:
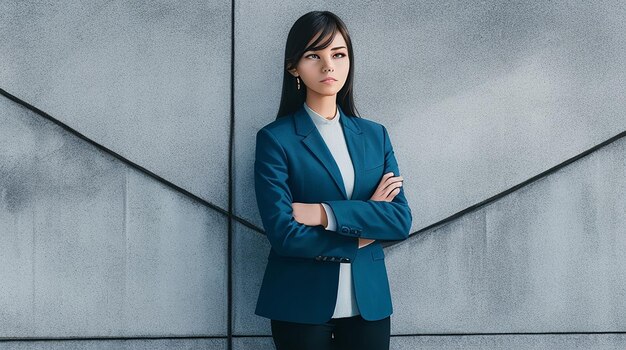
(287, 236)
(378, 220)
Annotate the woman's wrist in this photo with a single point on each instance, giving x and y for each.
(323, 216)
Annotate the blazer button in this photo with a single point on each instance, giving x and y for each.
(344, 260)
(354, 232)
(318, 258)
(345, 229)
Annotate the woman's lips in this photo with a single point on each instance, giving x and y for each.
(328, 81)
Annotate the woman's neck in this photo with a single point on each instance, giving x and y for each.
(326, 106)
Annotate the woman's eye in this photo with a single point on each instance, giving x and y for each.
(339, 53)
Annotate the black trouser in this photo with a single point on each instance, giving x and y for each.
(349, 333)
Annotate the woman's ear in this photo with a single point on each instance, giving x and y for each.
(293, 72)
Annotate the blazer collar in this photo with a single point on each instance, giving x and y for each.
(304, 124)
(314, 141)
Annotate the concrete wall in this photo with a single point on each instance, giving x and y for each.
(114, 169)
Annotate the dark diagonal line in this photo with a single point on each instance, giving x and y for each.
(111, 152)
(133, 164)
(256, 228)
(485, 202)
(253, 227)
(537, 177)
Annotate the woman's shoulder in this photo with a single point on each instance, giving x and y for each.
(368, 125)
(284, 125)
(278, 125)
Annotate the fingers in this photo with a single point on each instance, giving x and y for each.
(392, 187)
(386, 176)
(387, 179)
(393, 194)
(388, 187)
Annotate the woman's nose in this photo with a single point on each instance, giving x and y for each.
(328, 65)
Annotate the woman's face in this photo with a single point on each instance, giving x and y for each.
(314, 66)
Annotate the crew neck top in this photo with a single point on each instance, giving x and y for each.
(333, 136)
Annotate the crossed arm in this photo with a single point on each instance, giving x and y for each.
(298, 229)
(313, 214)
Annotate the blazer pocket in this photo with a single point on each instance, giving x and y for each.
(374, 167)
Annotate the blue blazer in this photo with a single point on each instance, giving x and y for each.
(293, 164)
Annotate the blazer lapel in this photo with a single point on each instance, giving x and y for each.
(315, 143)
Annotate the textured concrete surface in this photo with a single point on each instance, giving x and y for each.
(477, 96)
(91, 247)
(250, 251)
(257, 343)
(129, 344)
(512, 342)
(150, 81)
(475, 342)
(547, 258)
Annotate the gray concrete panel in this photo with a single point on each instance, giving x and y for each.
(258, 84)
(24, 142)
(547, 258)
(437, 279)
(475, 342)
(127, 344)
(62, 235)
(256, 343)
(177, 274)
(250, 250)
(500, 91)
(150, 81)
(511, 342)
(477, 96)
(480, 96)
(90, 247)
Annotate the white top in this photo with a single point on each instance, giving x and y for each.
(332, 133)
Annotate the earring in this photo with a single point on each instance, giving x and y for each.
(298, 80)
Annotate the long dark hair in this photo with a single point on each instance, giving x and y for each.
(302, 31)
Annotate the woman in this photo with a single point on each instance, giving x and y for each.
(327, 196)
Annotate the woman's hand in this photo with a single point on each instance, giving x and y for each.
(386, 191)
(364, 242)
(388, 188)
(310, 214)
(313, 214)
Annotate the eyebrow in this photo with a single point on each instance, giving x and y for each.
(333, 49)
